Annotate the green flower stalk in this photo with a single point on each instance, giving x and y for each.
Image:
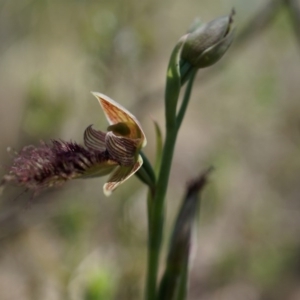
(200, 48)
(115, 151)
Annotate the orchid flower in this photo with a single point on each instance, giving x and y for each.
(123, 141)
(115, 151)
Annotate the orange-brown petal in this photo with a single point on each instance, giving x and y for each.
(116, 113)
(120, 175)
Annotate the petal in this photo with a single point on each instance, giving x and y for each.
(94, 139)
(115, 113)
(120, 175)
(122, 149)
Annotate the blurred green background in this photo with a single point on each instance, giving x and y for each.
(244, 118)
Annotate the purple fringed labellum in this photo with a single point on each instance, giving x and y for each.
(52, 164)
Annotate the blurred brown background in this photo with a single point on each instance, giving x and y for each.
(244, 118)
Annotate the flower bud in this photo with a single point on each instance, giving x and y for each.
(209, 42)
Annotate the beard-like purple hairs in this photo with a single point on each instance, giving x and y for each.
(52, 164)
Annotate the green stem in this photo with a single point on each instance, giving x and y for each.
(158, 204)
(143, 176)
(185, 71)
(148, 168)
(186, 98)
(156, 224)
